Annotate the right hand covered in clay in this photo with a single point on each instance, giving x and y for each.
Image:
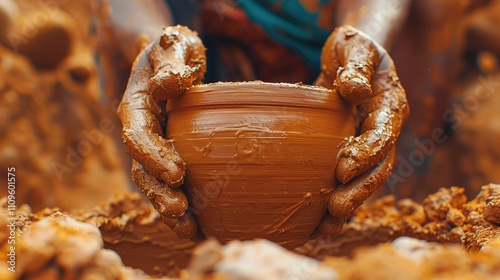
(363, 73)
(163, 70)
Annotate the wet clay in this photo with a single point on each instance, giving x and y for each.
(128, 225)
(141, 111)
(158, 170)
(60, 247)
(135, 231)
(131, 227)
(364, 74)
(176, 68)
(260, 156)
(173, 62)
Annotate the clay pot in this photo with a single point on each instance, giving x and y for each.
(260, 157)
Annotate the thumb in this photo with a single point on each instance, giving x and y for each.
(349, 58)
(178, 60)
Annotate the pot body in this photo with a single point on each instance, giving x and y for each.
(260, 157)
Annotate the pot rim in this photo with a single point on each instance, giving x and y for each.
(258, 93)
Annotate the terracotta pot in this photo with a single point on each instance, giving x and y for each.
(260, 156)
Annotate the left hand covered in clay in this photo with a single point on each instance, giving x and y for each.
(163, 70)
(363, 73)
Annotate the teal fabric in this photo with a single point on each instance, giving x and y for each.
(291, 25)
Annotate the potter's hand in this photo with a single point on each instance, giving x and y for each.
(363, 74)
(163, 70)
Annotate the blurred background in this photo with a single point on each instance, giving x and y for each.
(63, 70)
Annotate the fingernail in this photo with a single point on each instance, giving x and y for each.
(351, 174)
(339, 206)
(175, 210)
(171, 204)
(187, 227)
(164, 176)
(346, 171)
(174, 178)
(353, 86)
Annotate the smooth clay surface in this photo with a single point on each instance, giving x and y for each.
(260, 156)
